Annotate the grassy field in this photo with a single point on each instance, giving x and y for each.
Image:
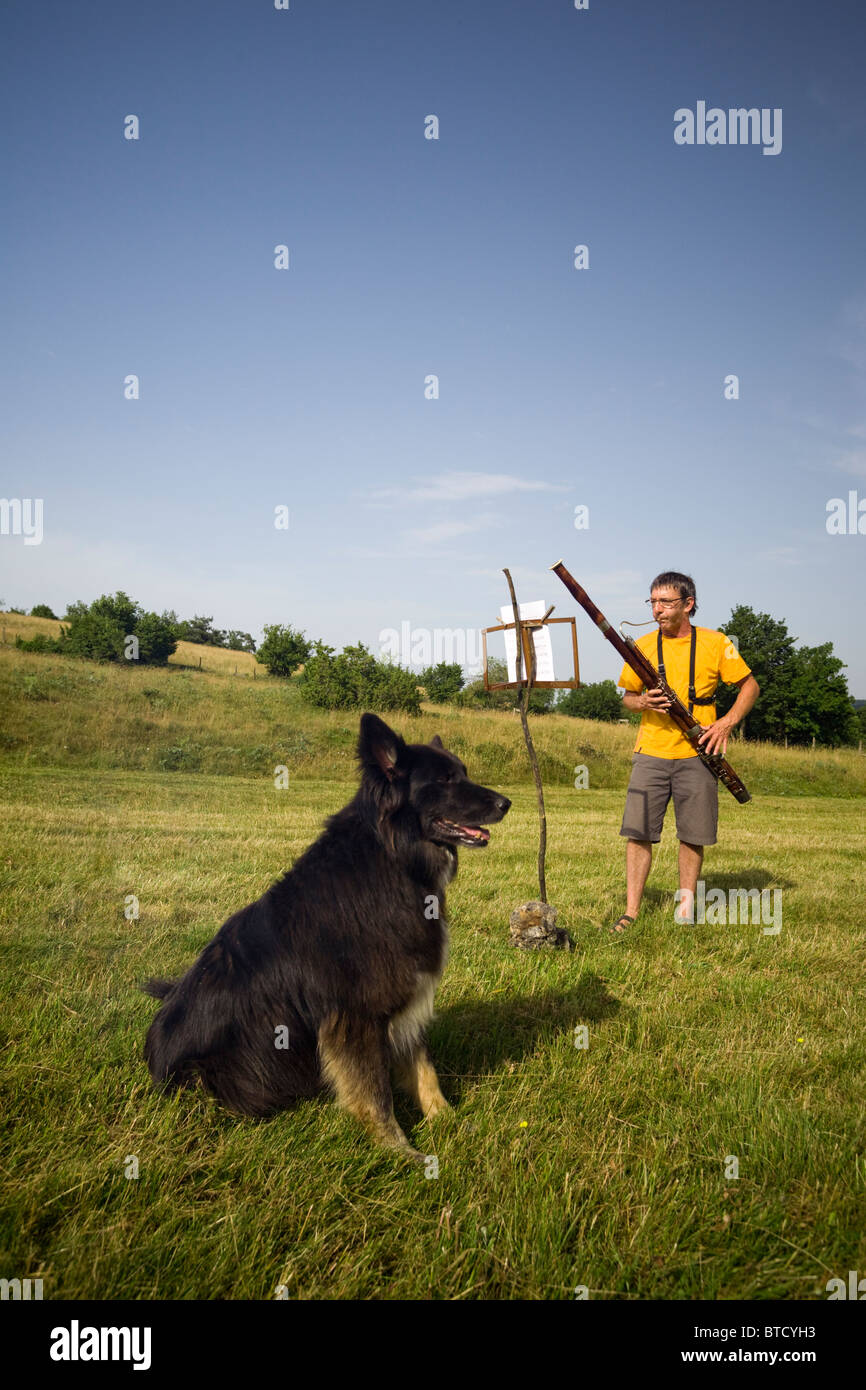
(560, 1167)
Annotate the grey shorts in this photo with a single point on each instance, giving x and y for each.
(696, 799)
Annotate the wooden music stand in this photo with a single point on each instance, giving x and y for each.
(527, 626)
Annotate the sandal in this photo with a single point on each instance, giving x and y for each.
(618, 928)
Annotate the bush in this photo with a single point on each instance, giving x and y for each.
(442, 683)
(40, 643)
(354, 679)
(93, 635)
(598, 700)
(98, 632)
(474, 696)
(42, 611)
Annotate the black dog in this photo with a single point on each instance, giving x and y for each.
(329, 978)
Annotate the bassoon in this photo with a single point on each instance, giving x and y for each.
(643, 667)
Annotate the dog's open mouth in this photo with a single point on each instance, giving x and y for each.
(472, 835)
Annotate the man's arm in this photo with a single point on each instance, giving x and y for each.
(715, 737)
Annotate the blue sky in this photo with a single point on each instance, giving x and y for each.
(409, 257)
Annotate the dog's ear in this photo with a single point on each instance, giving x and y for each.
(379, 748)
(436, 742)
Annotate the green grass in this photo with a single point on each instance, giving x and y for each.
(559, 1166)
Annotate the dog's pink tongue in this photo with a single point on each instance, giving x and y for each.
(477, 832)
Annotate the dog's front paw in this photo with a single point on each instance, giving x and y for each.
(437, 1106)
(411, 1155)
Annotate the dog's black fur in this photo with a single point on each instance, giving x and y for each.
(328, 979)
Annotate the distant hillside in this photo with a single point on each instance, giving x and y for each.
(205, 658)
(63, 712)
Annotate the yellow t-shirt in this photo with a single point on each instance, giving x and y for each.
(716, 659)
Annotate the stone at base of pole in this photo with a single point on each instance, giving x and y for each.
(533, 925)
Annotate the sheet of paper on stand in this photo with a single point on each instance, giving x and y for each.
(540, 639)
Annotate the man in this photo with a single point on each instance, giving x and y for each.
(664, 763)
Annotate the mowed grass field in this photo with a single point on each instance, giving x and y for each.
(607, 1167)
(560, 1167)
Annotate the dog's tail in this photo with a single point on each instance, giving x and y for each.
(159, 989)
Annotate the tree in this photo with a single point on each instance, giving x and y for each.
(201, 630)
(598, 700)
(119, 608)
(156, 639)
(283, 650)
(442, 683)
(767, 648)
(820, 703)
(803, 692)
(41, 610)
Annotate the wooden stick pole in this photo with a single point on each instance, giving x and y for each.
(524, 706)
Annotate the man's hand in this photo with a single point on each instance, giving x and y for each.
(655, 700)
(715, 737)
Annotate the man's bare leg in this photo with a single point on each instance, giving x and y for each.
(638, 861)
(690, 860)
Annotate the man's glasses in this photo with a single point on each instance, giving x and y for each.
(662, 602)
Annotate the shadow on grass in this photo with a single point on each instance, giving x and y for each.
(480, 1036)
(752, 877)
(465, 1039)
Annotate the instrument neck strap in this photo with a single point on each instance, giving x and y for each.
(694, 698)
